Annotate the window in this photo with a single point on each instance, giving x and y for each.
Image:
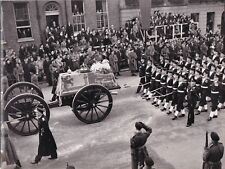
(77, 7)
(22, 20)
(1, 28)
(132, 3)
(102, 15)
(195, 17)
(78, 15)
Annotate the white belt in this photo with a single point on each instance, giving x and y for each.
(162, 83)
(180, 91)
(157, 80)
(174, 88)
(197, 84)
(170, 87)
(214, 92)
(223, 83)
(204, 87)
(153, 77)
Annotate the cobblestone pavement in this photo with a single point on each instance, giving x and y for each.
(105, 145)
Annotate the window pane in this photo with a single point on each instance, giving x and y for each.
(21, 11)
(22, 23)
(24, 32)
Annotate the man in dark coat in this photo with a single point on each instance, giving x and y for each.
(139, 152)
(47, 145)
(192, 97)
(213, 154)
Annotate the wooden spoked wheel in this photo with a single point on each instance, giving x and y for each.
(92, 104)
(22, 112)
(20, 88)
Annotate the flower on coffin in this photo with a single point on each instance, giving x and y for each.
(101, 67)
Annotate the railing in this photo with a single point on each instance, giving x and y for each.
(78, 22)
(171, 31)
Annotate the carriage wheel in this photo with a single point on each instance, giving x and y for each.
(92, 104)
(22, 112)
(21, 87)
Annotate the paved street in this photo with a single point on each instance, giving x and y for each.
(105, 145)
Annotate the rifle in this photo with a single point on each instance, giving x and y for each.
(206, 139)
(205, 164)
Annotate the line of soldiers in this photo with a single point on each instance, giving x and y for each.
(174, 82)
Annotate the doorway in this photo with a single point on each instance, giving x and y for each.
(52, 18)
(210, 21)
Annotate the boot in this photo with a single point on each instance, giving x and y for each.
(36, 160)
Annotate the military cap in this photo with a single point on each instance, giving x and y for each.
(215, 136)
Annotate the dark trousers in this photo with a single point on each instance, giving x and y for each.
(174, 101)
(215, 101)
(163, 92)
(169, 97)
(142, 81)
(191, 115)
(147, 82)
(204, 93)
(180, 101)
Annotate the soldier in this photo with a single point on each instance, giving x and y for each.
(192, 97)
(152, 82)
(157, 84)
(214, 153)
(169, 90)
(138, 150)
(163, 87)
(204, 93)
(142, 67)
(148, 70)
(174, 96)
(214, 98)
(181, 92)
(222, 91)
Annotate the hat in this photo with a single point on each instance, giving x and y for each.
(215, 136)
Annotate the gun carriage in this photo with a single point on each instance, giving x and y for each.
(89, 95)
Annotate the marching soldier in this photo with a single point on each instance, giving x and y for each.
(142, 67)
(192, 97)
(169, 90)
(204, 93)
(152, 83)
(148, 70)
(181, 92)
(213, 154)
(157, 84)
(163, 87)
(174, 96)
(222, 91)
(214, 98)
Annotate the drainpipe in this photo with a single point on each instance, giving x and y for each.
(38, 20)
(66, 12)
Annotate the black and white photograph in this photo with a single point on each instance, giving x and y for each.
(112, 84)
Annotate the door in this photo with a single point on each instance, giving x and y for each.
(52, 18)
(210, 21)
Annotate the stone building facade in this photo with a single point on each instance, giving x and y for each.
(25, 21)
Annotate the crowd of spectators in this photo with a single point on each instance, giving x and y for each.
(65, 49)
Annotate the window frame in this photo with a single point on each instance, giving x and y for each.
(103, 13)
(21, 27)
(78, 24)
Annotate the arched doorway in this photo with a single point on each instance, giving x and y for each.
(52, 14)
